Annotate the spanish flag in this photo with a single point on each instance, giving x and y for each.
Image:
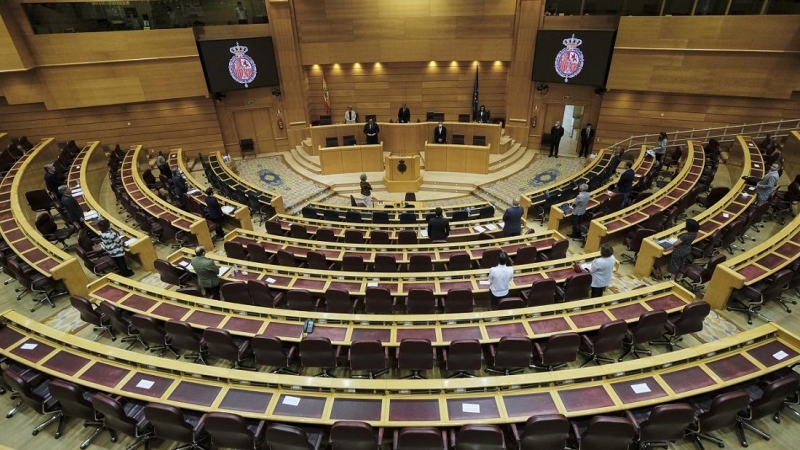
(326, 95)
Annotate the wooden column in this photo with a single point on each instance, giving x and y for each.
(293, 79)
(518, 91)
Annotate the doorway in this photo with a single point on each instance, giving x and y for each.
(255, 124)
(572, 121)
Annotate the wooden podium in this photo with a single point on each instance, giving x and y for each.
(401, 173)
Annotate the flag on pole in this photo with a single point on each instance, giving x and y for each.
(326, 95)
(475, 96)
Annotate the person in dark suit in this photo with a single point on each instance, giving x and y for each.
(512, 219)
(438, 227)
(625, 182)
(403, 114)
(587, 136)
(440, 134)
(483, 115)
(178, 186)
(71, 207)
(214, 211)
(556, 133)
(52, 180)
(371, 129)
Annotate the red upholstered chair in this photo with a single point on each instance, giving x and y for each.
(604, 433)
(559, 350)
(288, 437)
(458, 301)
(770, 403)
(458, 261)
(221, 344)
(473, 437)
(172, 424)
(75, 403)
(349, 435)
(723, 412)
(126, 418)
(511, 355)
(665, 423)
(609, 338)
(415, 355)
(420, 301)
(463, 356)
(369, 356)
(542, 292)
(262, 295)
(649, 327)
(318, 261)
(339, 301)
(542, 432)
(269, 351)
(317, 351)
(232, 431)
(577, 286)
(428, 438)
(689, 321)
(378, 301)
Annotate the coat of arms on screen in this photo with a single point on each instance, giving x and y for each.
(569, 61)
(242, 67)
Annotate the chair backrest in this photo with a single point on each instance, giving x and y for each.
(45, 223)
(379, 237)
(235, 250)
(182, 336)
(24, 390)
(723, 411)
(300, 300)
(525, 255)
(649, 327)
(607, 433)
(269, 351)
(273, 227)
(691, 318)
(286, 437)
(610, 336)
(378, 300)
(638, 236)
(666, 423)
(150, 329)
(353, 263)
(385, 263)
(317, 261)
(236, 292)
(478, 140)
(317, 351)
(338, 301)
(420, 263)
(513, 352)
(347, 435)
(260, 293)
(578, 286)
(114, 416)
(415, 354)
(780, 282)
(39, 200)
(561, 348)
(169, 423)
(458, 138)
(773, 396)
(490, 258)
(354, 237)
(542, 292)
(87, 312)
(421, 438)
(559, 250)
(460, 216)
(379, 217)
(353, 217)
(407, 237)
(459, 301)
(257, 253)
(459, 261)
(480, 437)
(71, 398)
(367, 355)
(167, 271)
(119, 323)
(325, 235)
(464, 354)
(716, 194)
(287, 259)
(298, 231)
(333, 216)
(511, 303)
(407, 217)
(420, 301)
(220, 344)
(410, 197)
(545, 432)
(228, 430)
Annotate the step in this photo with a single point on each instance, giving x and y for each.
(307, 157)
(505, 143)
(508, 158)
(298, 157)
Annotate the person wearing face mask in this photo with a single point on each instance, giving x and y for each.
(556, 133)
(440, 134)
(587, 136)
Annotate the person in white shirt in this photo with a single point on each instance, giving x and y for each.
(350, 115)
(500, 278)
(601, 269)
(241, 13)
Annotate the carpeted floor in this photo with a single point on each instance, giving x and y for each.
(541, 171)
(272, 173)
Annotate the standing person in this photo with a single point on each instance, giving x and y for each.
(767, 184)
(587, 136)
(350, 115)
(178, 186)
(162, 165)
(214, 211)
(403, 114)
(241, 13)
(682, 247)
(661, 145)
(579, 209)
(207, 273)
(483, 115)
(52, 180)
(366, 191)
(512, 219)
(371, 129)
(500, 278)
(601, 269)
(556, 133)
(625, 182)
(438, 227)
(440, 134)
(71, 207)
(114, 246)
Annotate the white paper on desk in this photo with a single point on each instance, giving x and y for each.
(780, 355)
(131, 241)
(479, 229)
(471, 408)
(28, 346)
(270, 280)
(744, 194)
(672, 240)
(291, 401)
(586, 266)
(227, 209)
(77, 193)
(756, 166)
(222, 270)
(189, 267)
(502, 224)
(183, 263)
(145, 384)
(725, 215)
(483, 282)
(89, 215)
(640, 388)
(491, 226)
(193, 191)
(423, 233)
(372, 284)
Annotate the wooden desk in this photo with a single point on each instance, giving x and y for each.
(17, 221)
(402, 173)
(420, 209)
(407, 138)
(624, 219)
(156, 206)
(228, 177)
(457, 158)
(642, 166)
(746, 269)
(439, 252)
(89, 171)
(351, 159)
(594, 168)
(703, 369)
(713, 219)
(540, 322)
(241, 213)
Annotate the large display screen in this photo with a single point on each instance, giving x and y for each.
(573, 56)
(235, 64)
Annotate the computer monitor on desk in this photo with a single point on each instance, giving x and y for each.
(434, 116)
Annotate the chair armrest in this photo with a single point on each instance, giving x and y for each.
(444, 355)
(537, 349)
(380, 437)
(452, 437)
(575, 434)
(394, 438)
(630, 417)
(515, 434)
(338, 353)
(444, 439)
(290, 355)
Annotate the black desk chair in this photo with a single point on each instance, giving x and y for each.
(247, 146)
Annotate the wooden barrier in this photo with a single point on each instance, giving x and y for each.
(457, 158)
(351, 159)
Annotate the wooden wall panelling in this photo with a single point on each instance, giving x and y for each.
(252, 99)
(580, 22)
(557, 97)
(14, 53)
(529, 16)
(232, 31)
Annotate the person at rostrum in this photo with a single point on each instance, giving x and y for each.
(71, 207)
(440, 134)
(512, 219)
(556, 133)
(483, 115)
(366, 191)
(350, 115)
(371, 129)
(52, 179)
(207, 273)
(587, 136)
(114, 246)
(500, 278)
(403, 114)
(601, 269)
(579, 209)
(438, 227)
(214, 211)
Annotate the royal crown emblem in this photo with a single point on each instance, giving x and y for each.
(569, 61)
(242, 67)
